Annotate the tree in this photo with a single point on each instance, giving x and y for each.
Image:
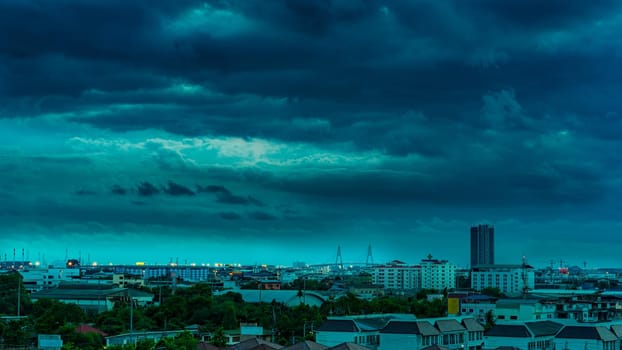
(145, 344)
(219, 339)
(10, 283)
(490, 320)
(493, 292)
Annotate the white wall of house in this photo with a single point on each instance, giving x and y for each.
(584, 344)
(399, 341)
(333, 338)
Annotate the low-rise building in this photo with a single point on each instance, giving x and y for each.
(524, 310)
(36, 279)
(587, 338)
(477, 306)
(450, 333)
(529, 336)
(363, 330)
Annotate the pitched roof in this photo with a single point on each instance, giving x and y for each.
(347, 346)
(472, 325)
(206, 346)
(506, 330)
(449, 326)
(617, 330)
(305, 345)
(586, 332)
(542, 328)
(78, 293)
(410, 327)
(85, 328)
(338, 326)
(255, 344)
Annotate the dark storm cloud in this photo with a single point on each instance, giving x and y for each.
(534, 14)
(175, 189)
(371, 105)
(230, 216)
(85, 192)
(225, 196)
(261, 216)
(118, 190)
(146, 189)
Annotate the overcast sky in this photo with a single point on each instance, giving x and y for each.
(274, 131)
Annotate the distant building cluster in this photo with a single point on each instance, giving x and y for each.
(489, 305)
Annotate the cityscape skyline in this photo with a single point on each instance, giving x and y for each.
(250, 131)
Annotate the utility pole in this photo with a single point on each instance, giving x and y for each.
(19, 294)
(131, 319)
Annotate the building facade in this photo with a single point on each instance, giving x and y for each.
(511, 280)
(482, 245)
(437, 274)
(396, 275)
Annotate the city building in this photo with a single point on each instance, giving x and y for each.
(90, 297)
(511, 280)
(520, 309)
(477, 306)
(397, 275)
(482, 245)
(36, 279)
(437, 274)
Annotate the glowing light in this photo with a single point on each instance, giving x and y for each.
(94, 263)
(140, 263)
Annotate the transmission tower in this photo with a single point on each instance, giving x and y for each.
(370, 256)
(339, 259)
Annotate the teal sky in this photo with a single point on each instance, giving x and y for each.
(272, 132)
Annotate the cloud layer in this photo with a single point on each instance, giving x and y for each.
(300, 125)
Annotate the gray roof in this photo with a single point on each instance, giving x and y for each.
(586, 332)
(305, 345)
(348, 346)
(472, 325)
(410, 327)
(338, 326)
(280, 296)
(449, 326)
(543, 328)
(510, 331)
(617, 330)
(78, 294)
(255, 344)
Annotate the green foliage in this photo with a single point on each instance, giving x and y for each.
(490, 320)
(492, 292)
(51, 315)
(145, 344)
(183, 341)
(16, 333)
(9, 285)
(219, 339)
